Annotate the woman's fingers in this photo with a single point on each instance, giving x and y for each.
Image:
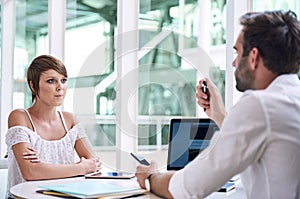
(31, 154)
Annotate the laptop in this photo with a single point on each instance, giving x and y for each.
(188, 137)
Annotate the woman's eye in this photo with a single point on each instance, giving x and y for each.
(50, 80)
(64, 80)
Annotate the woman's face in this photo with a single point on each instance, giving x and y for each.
(52, 88)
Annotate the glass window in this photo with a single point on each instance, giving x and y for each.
(277, 5)
(167, 74)
(89, 55)
(31, 40)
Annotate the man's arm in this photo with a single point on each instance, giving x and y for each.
(159, 182)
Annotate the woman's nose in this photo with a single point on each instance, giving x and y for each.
(59, 86)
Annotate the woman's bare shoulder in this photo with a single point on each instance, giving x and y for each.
(69, 118)
(17, 117)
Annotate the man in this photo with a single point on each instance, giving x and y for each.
(260, 136)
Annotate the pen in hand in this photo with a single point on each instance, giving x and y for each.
(205, 90)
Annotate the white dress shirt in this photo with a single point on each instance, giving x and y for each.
(259, 138)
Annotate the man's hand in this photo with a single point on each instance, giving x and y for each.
(213, 104)
(159, 182)
(144, 172)
(203, 97)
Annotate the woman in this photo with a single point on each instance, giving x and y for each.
(41, 140)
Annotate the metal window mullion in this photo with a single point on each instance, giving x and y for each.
(56, 27)
(204, 12)
(229, 54)
(235, 8)
(127, 83)
(8, 28)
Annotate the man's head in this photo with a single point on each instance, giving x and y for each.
(273, 37)
(39, 65)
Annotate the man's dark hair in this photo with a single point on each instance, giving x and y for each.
(39, 65)
(276, 34)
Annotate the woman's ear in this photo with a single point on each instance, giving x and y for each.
(31, 87)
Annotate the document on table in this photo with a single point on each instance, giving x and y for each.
(93, 189)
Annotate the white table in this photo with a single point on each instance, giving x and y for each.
(28, 189)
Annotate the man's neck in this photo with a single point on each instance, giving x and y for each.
(264, 78)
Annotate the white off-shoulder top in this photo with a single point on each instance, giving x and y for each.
(54, 152)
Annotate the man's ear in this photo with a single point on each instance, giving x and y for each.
(254, 58)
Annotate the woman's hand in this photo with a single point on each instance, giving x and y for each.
(144, 172)
(90, 165)
(31, 155)
(211, 102)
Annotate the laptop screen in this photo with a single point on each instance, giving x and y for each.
(188, 137)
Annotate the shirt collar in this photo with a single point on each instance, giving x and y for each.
(287, 79)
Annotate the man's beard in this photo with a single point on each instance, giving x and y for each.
(244, 77)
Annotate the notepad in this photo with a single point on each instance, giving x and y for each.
(92, 189)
